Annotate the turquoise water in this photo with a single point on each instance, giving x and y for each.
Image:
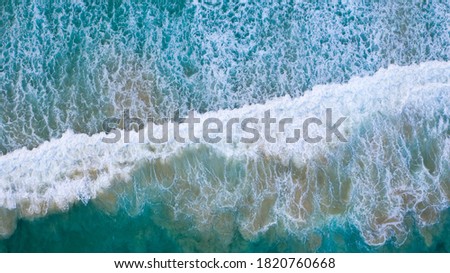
(82, 229)
(65, 68)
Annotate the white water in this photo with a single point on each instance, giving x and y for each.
(382, 187)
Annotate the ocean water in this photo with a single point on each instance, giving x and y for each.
(66, 67)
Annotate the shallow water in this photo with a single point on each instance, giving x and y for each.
(67, 67)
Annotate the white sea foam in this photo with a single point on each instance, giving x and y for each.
(395, 161)
(70, 65)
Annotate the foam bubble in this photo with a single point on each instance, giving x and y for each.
(67, 65)
(394, 163)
